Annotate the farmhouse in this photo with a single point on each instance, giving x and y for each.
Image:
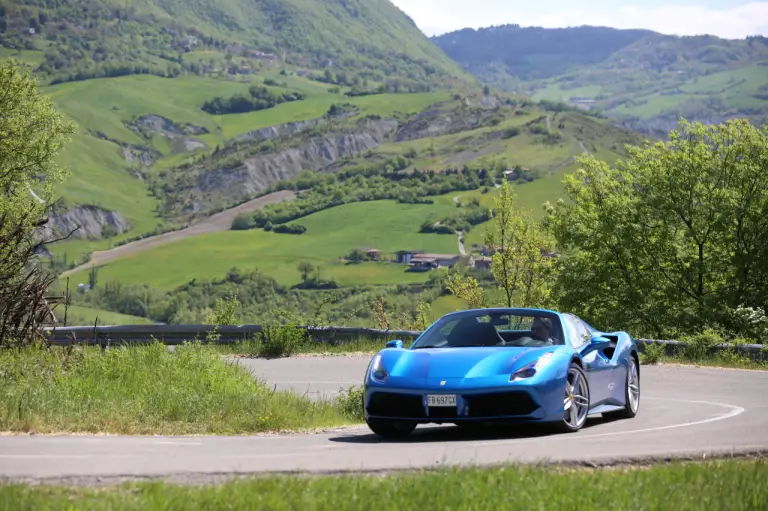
(482, 263)
(427, 262)
(404, 256)
(373, 254)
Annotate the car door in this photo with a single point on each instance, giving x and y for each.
(596, 365)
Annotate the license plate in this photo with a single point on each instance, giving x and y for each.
(441, 400)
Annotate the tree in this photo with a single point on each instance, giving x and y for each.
(522, 263)
(306, 269)
(671, 239)
(31, 133)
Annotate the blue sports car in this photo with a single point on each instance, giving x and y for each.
(502, 365)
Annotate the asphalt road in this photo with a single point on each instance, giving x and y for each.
(683, 410)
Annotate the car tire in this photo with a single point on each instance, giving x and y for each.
(566, 424)
(631, 399)
(386, 428)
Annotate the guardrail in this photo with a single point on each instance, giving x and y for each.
(178, 334)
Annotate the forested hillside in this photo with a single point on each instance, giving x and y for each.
(73, 40)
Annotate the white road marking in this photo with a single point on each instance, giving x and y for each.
(735, 410)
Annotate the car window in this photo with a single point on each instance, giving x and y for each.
(577, 331)
(496, 328)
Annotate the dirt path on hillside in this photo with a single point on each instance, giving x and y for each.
(221, 221)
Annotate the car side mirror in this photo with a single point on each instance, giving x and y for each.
(395, 344)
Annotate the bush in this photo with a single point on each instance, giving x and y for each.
(281, 340)
(653, 354)
(242, 222)
(290, 229)
(350, 401)
(699, 345)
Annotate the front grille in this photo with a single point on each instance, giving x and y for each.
(443, 412)
(390, 404)
(500, 404)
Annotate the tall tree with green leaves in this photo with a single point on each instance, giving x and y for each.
(522, 263)
(32, 131)
(672, 239)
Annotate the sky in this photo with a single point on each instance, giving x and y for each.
(733, 19)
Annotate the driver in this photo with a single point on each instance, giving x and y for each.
(541, 328)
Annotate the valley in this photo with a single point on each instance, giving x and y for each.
(643, 79)
(201, 150)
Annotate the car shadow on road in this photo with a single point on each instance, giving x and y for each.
(452, 433)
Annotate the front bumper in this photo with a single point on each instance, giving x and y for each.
(507, 403)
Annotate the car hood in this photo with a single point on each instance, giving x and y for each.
(469, 362)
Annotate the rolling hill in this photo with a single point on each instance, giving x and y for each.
(79, 40)
(647, 80)
(279, 133)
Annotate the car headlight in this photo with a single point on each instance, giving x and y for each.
(378, 372)
(528, 370)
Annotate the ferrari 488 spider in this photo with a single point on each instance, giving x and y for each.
(502, 365)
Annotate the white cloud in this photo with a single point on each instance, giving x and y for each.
(439, 16)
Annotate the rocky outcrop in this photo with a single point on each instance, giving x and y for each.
(288, 129)
(280, 130)
(150, 125)
(87, 222)
(439, 120)
(258, 172)
(134, 154)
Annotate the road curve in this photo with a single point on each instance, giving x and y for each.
(684, 410)
(221, 221)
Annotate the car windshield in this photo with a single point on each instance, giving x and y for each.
(493, 328)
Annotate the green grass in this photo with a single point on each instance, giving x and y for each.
(31, 58)
(317, 105)
(146, 390)
(555, 92)
(80, 316)
(733, 485)
(102, 104)
(99, 177)
(331, 234)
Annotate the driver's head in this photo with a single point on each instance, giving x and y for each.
(541, 328)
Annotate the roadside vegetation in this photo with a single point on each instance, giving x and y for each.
(147, 390)
(732, 485)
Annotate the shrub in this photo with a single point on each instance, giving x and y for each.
(652, 354)
(281, 340)
(698, 345)
(242, 222)
(290, 229)
(350, 401)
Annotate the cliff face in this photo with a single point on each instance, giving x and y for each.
(442, 120)
(87, 222)
(258, 172)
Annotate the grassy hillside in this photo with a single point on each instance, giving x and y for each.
(113, 37)
(333, 233)
(646, 79)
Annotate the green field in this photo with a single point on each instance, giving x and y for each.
(317, 105)
(732, 485)
(331, 234)
(734, 88)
